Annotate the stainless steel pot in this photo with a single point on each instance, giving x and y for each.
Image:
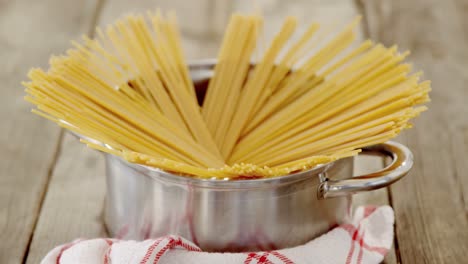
(243, 215)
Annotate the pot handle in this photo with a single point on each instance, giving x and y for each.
(401, 164)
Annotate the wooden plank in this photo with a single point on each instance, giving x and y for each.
(459, 148)
(29, 32)
(73, 205)
(430, 204)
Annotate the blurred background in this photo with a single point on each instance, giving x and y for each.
(52, 188)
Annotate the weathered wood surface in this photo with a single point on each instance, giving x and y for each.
(29, 32)
(431, 203)
(74, 201)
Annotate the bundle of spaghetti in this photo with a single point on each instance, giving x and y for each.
(87, 91)
(157, 63)
(129, 90)
(70, 97)
(369, 78)
(230, 72)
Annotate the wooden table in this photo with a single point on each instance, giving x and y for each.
(52, 188)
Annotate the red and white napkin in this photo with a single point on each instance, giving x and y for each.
(366, 239)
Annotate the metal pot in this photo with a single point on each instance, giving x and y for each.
(241, 215)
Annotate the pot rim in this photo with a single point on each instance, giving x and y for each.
(159, 174)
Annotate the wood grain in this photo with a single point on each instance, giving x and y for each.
(430, 204)
(29, 32)
(74, 202)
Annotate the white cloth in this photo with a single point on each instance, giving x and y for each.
(366, 239)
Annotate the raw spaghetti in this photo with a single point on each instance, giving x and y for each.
(287, 111)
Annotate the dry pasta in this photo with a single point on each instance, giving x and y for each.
(264, 115)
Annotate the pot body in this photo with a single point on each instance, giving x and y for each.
(242, 215)
(246, 215)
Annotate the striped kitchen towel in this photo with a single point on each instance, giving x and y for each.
(366, 239)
